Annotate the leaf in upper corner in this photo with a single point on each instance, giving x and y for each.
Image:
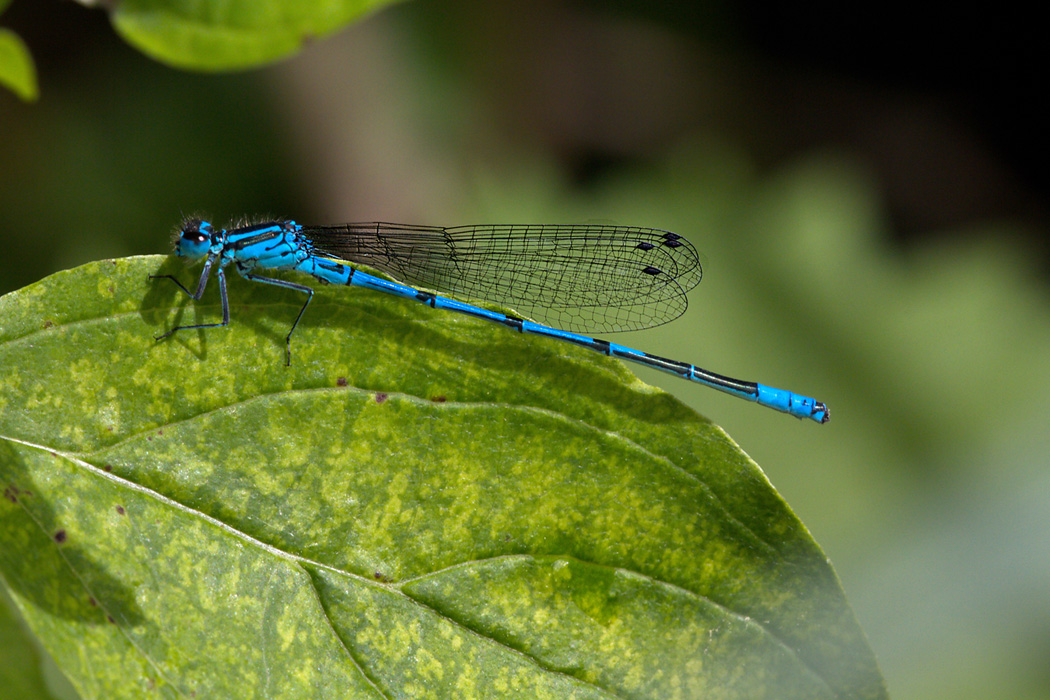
(423, 505)
(211, 35)
(16, 66)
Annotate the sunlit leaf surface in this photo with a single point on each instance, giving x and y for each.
(423, 505)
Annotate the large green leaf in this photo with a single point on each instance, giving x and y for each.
(423, 505)
(20, 675)
(231, 34)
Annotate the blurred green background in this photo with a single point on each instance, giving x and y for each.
(868, 194)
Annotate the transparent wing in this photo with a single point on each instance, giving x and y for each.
(585, 278)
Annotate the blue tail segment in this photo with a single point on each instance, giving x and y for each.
(580, 278)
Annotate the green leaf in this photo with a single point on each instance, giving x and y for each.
(20, 674)
(215, 35)
(16, 66)
(423, 505)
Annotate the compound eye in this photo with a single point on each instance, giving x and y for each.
(193, 238)
(196, 231)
